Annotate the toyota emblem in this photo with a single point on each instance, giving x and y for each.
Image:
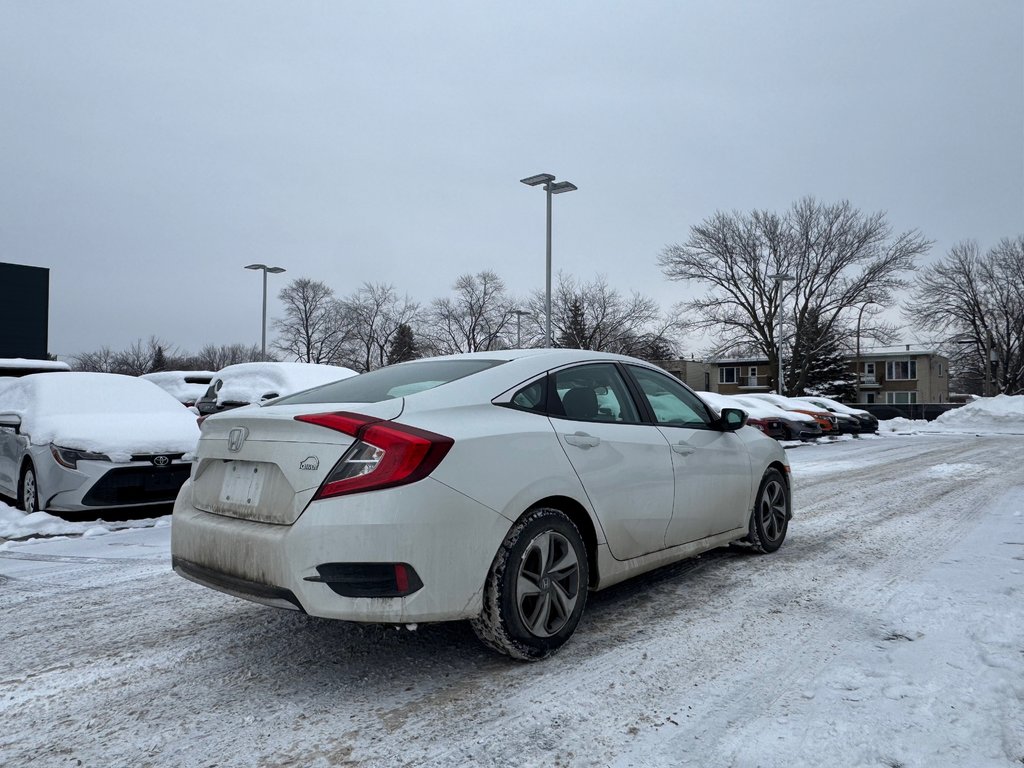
(161, 461)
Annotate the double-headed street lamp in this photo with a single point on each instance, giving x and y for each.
(779, 279)
(274, 270)
(551, 188)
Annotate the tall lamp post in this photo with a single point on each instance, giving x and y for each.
(551, 187)
(779, 279)
(519, 326)
(856, 364)
(274, 270)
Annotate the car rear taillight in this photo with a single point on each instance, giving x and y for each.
(757, 424)
(384, 453)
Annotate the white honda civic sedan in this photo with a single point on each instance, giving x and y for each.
(497, 487)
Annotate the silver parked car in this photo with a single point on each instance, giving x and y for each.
(83, 441)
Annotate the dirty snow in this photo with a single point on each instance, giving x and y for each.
(886, 632)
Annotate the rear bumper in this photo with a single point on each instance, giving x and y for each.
(449, 539)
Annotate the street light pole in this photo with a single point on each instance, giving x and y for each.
(263, 337)
(551, 188)
(856, 362)
(779, 279)
(519, 327)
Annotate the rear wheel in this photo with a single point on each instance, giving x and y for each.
(769, 519)
(28, 490)
(537, 587)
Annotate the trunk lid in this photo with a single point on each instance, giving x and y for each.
(260, 464)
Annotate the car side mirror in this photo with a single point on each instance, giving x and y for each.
(732, 419)
(11, 421)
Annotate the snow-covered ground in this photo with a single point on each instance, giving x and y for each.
(888, 631)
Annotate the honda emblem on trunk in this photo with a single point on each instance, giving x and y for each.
(236, 437)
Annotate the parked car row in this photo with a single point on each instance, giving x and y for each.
(796, 418)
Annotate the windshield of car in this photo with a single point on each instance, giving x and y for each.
(391, 382)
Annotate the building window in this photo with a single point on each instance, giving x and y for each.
(869, 369)
(901, 370)
(900, 398)
(940, 370)
(727, 375)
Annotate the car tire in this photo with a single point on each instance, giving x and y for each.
(769, 520)
(531, 608)
(28, 490)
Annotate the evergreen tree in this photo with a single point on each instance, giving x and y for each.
(159, 360)
(818, 351)
(403, 346)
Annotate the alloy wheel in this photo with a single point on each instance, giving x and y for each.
(547, 584)
(772, 509)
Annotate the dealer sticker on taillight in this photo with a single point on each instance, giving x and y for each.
(243, 483)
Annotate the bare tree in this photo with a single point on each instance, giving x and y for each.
(598, 317)
(479, 317)
(100, 361)
(373, 316)
(213, 358)
(838, 257)
(312, 329)
(976, 301)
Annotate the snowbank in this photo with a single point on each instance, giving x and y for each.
(1002, 414)
(15, 524)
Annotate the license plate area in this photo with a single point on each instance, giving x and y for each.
(242, 485)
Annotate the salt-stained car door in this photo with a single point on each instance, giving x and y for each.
(712, 468)
(625, 466)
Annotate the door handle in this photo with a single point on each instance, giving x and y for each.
(683, 448)
(582, 440)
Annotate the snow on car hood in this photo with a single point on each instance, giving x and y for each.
(174, 383)
(252, 382)
(121, 435)
(99, 412)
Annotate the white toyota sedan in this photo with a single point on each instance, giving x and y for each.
(497, 487)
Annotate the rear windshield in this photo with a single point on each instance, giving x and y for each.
(391, 382)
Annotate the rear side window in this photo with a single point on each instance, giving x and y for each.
(391, 382)
(595, 392)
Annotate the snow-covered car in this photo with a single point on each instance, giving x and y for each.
(245, 383)
(83, 441)
(185, 386)
(20, 366)
(764, 419)
(497, 487)
(866, 422)
(798, 426)
(828, 421)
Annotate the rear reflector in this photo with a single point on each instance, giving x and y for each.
(383, 455)
(369, 579)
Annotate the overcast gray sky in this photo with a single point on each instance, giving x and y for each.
(148, 151)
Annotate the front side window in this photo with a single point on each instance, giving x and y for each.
(901, 370)
(595, 392)
(726, 375)
(672, 403)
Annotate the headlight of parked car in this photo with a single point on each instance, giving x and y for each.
(69, 457)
